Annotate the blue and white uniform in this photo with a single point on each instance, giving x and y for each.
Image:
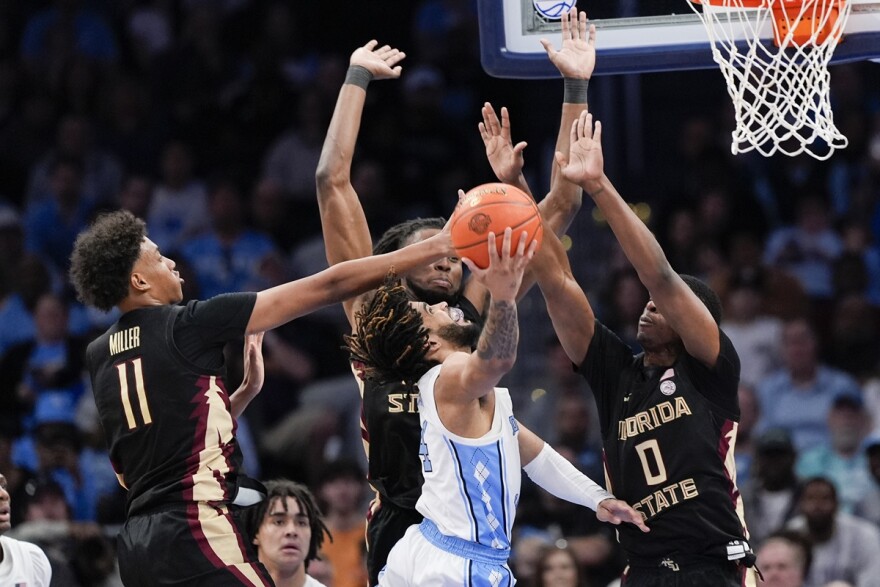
(469, 497)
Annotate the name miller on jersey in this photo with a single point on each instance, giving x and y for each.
(653, 417)
(125, 340)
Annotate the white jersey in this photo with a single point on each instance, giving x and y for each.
(472, 485)
(23, 564)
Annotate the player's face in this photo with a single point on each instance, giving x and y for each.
(558, 570)
(779, 564)
(5, 516)
(448, 323)
(653, 330)
(284, 536)
(438, 282)
(158, 271)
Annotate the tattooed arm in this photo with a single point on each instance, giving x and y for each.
(469, 376)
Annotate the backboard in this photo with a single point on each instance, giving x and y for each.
(632, 35)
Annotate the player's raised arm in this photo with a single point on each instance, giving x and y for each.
(567, 304)
(346, 234)
(342, 281)
(683, 310)
(575, 62)
(466, 377)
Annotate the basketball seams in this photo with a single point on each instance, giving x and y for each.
(482, 238)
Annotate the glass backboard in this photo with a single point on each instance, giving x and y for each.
(633, 35)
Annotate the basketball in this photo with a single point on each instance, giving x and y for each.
(492, 207)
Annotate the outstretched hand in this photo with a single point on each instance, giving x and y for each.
(616, 512)
(381, 62)
(577, 58)
(504, 274)
(585, 161)
(505, 158)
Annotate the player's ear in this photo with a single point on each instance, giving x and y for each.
(137, 282)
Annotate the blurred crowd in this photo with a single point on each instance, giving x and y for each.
(206, 118)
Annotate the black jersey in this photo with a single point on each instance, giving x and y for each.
(668, 436)
(157, 376)
(392, 432)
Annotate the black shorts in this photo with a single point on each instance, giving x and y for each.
(386, 524)
(724, 574)
(199, 545)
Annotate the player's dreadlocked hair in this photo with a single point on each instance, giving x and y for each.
(280, 490)
(395, 237)
(390, 339)
(706, 294)
(103, 257)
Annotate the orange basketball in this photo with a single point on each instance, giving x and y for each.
(492, 207)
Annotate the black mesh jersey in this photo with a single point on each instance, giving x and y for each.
(669, 436)
(157, 376)
(391, 432)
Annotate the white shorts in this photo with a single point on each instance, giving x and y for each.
(426, 558)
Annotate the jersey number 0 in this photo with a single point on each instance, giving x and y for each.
(125, 391)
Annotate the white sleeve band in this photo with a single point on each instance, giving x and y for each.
(555, 474)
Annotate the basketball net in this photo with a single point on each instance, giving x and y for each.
(780, 92)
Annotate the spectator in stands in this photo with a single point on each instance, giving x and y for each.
(100, 171)
(844, 547)
(51, 225)
(32, 281)
(21, 563)
(179, 206)
(755, 335)
(341, 491)
(797, 396)
(770, 495)
(807, 249)
(869, 506)
(784, 559)
(231, 257)
(841, 460)
(558, 567)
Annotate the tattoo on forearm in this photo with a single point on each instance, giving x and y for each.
(500, 334)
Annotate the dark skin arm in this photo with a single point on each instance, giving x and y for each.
(683, 310)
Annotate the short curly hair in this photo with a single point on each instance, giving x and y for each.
(103, 257)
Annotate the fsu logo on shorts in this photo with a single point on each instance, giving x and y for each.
(667, 387)
(479, 223)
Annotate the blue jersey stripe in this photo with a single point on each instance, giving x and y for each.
(463, 489)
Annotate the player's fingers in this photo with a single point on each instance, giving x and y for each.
(588, 126)
(383, 49)
(461, 195)
(483, 133)
(506, 243)
(597, 132)
(573, 136)
(566, 33)
(518, 148)
(592, 38)
(582, 26)
(493, 248)
(533, 247)
(397, 71)
(548, 47)
(573, 26)
(371, 45)
(521, 245)
(492, 118)
(580, 124)
(505, 118)
(395, 58)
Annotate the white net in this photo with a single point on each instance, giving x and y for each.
(780, 90)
